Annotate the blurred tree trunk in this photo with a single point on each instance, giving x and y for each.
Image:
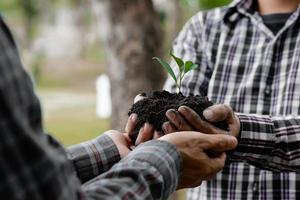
(175, 18)
(82, 8)
(132, 35)
(30, 10)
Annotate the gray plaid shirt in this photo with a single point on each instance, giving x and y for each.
(34, 166)
(243, 64)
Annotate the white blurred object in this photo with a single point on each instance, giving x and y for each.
(103, 106)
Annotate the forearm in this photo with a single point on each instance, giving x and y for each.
(151, 171)
(269, 142)
(93, 157)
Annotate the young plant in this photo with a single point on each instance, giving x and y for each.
(184, 68)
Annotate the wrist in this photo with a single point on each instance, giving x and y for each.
(240, 127)
(120, 142)
(164, 157)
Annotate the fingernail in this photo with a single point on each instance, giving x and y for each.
(233, 140)
(208, 114)
(166, 127)
(182, 108)
(139, 138)
(171, 114)
(133, 117)
(147, 127)
(138, 141)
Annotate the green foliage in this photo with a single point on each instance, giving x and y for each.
(205, 4)
(167, 67)
(209, 4)
(11, 7)
(8, 4)
(30, 8)
(183, 68)
(190, 66)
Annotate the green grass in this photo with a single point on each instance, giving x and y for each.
(72, 124)
(73, 131)
(95, 53)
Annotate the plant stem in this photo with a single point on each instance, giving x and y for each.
(179, 87)
(180, 78)
(180, 81)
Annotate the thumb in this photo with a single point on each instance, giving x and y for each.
(221, 143)
(217, 113)
(139, 97)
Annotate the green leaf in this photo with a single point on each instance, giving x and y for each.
(189, 65)
(167, 67)
(179, 62)
(209, 4)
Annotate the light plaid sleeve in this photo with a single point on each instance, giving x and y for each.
(151, 171)
(188, 45)
(93, 157)
(270, 142)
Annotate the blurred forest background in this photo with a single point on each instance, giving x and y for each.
(66, 45)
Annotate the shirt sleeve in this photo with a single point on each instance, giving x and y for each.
(271, 143)
(189, 46)
(34, 165)
(93, 157)
(151, 171)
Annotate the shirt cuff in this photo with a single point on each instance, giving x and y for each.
(93, 157)
(257, 131)
(256, 139)
(164, 157)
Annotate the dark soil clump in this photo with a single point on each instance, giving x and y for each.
(153, 109)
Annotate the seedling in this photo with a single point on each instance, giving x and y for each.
(184, 68)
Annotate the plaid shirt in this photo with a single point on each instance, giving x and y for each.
(34, 166)
(243, 64)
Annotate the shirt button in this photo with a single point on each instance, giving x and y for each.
(255, 187)
(268, 40)
(268, 90)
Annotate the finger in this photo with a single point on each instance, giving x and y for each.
(126, 136)
(146, 133)
(221, 112)
(219, 142)
(198, 124)
(157, 134)
(120, 142)
(219, 161)
(217, 113)
(192, 183)
(178, 121)
(131, 123)
(216, 164)
(196, 184)
(234, 125)
(139, 97)
(168, 128)
(129, 141)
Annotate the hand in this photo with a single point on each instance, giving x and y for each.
(147, 132)
(222, 112)
(122, 142)
(188, 120)
(196, 164)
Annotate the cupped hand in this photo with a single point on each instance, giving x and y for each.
(147, 132)
(122, 142)
(197, 165)
(186, 119)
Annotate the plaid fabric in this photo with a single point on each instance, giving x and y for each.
(34, 166)
(243, 64)
(93, 157)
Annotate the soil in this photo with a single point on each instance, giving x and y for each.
(153, 108)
